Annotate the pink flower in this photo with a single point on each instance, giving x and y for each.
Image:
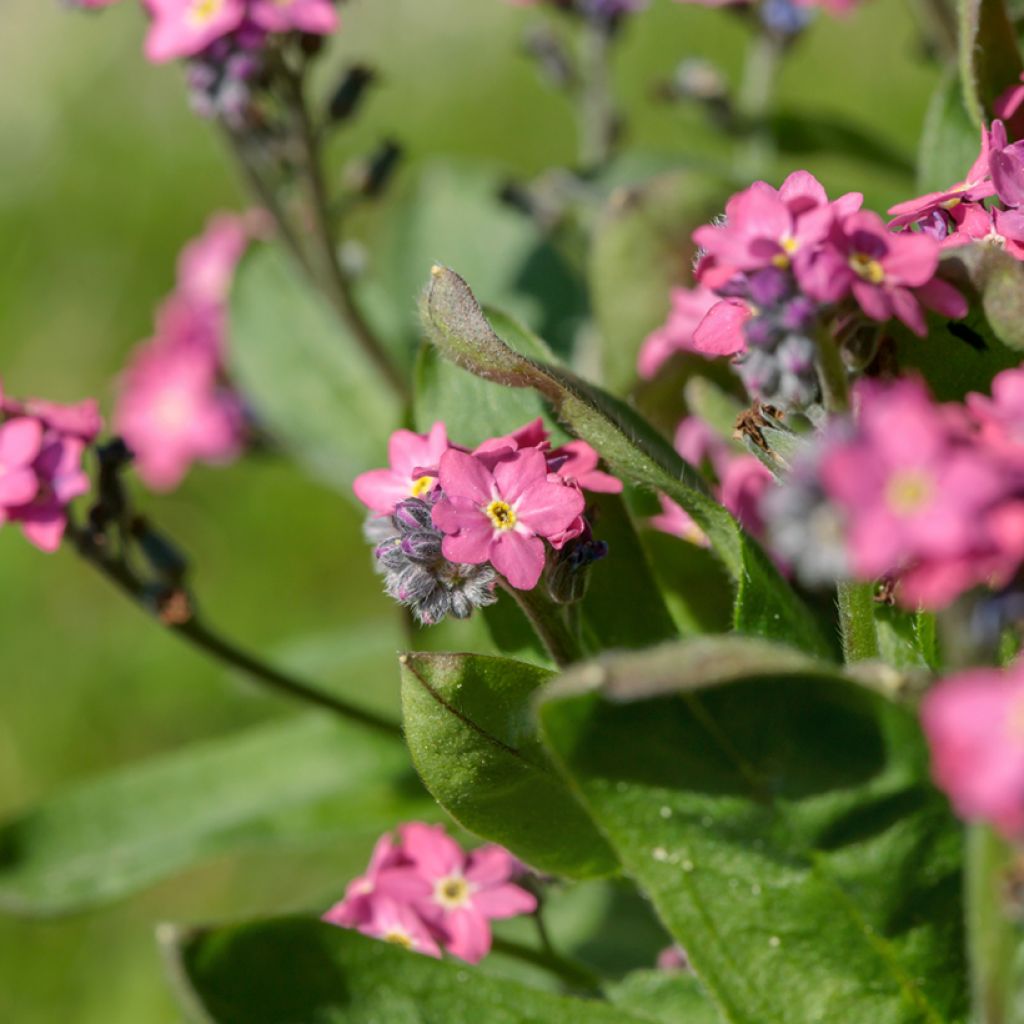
(1003, 229)
(206, 266)
(1006, 163)
(462, 893)
(499, 509)
(577, 463)
(677, 522)
(888, 274)
(742, 484)
(909, 491)
(974, 722)
(399, 924)
(975, 187)
(20, 442)
(689, 306)
(363, 892)
(1001, 417)
(413, 461)
(720, 333)
(317, 17)
(182, 28)
(173, 410)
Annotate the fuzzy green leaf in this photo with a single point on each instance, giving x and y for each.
(990, 59)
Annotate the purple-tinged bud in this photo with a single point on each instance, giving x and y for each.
(799, 314)
(422, 545)
(760, 332)
(414, 514)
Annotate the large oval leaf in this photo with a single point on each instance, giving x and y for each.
(307, 778)
(781, 819)
(469, 726)
(295, 971)
(990, 58)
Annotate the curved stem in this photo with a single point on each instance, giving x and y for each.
(597, 128)
(193, 630)
(548, 622)
(574, 974)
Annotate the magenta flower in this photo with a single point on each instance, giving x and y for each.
(1003, 229)
(909, 492)
(689, 306)
(173, 410)
(318, 17)
(888, 274)
(182, 28)
(499, 510)
(412, 473)
(21, 440)
(974, 722)
(974, 188)
(462, 893)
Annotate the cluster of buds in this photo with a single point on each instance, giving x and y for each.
(447, 522)
(423, 892)
(42, 445)
(784, 265)
(176, 405)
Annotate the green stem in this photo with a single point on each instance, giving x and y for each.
(549, 623)
(835, 383)
(755, 100)
(597, 127)
(195, 632)
(857, 621)
(991, 938)
(574, 974)
(939, 25)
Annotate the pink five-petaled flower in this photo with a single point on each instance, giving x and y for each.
(356, 908)
(888, 274)
(498, 510)
(460, 893)
(908, 491)
(974, 722)
(318, 17)
(182, 28)
(413, 460)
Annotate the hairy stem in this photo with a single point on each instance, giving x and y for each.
(857, 621)
(549, 623)
(195, 632)
(575, 975)
(597, 117)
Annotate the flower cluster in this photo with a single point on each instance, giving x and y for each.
(740, 480)
(987, 206)
(974, 723)
(930, 495)
(425, 893)
(784, 264)
(175, 405)
(447, 520)
(41, 449)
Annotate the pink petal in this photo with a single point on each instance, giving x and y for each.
(18, 487)
(469, 935)
(720, 333)
(20, 441)
(872, 299)
(941, 297)
(491, 865)
(909, 310)
(434, 853)
(519, 559)
(469, 546)
(465, 476)
(547, 508)
(504, 901)
(380, 490)
(802, 191)
(515, 476)
(912, 259)
(47, 532)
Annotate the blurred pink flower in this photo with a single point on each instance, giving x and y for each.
(974, 722)
(720, 333)
(576, 463)
(689, 306)
(206, 266)
(677, 522)
(973, 222)
(673, 958)
(318, 17)
(20, 442)
(412, 472)
(362, 893)
(500, 512)
(399, 924)
(742, 484)
(182, 28)
(1001, 417)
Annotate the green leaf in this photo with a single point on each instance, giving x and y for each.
(470, 728)
(949, 139)
(307, 778)
(999, 278)
(668, 997)
(630, 446)
(782, 822)
(641, 248)
(990, 59)
(294, 971)
(801, 133)
(305, 377)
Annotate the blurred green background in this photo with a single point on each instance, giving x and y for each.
(104, 174)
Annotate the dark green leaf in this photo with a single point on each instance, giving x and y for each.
(305, 377)
(295, 971)
(632, 449)
(990, 58)
(305, 778)
(470, 728)
(781, 819)
(804, 133)
(669, 997)
(641, 249)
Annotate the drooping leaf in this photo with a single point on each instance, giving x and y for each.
(641, 249)
(668, 997)
(781, 819)
(990, 59)
(298, 971)
(632, 449)
(306, 778)
(469, 725)
(303, 374)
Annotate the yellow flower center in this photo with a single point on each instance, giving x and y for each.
(501, 515)
(907, 492)
(867, 267)
(781, 259)
(203, 11)
(951, 203)
(452, 892)
(422, 486)
(397, 938)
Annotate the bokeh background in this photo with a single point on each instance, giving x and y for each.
(104, 174)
